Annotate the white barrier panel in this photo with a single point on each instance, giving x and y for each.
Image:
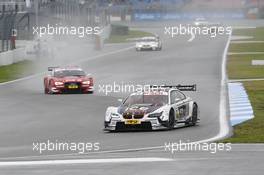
(12, 56)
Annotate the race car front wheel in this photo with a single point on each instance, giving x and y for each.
(46, 90)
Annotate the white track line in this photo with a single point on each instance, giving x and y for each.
(223, 118)
(244, 27)
(245, 42)
(245, 80)
(23, 79)
(245, 53)
(83, 161)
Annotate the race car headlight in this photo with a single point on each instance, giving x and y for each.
(57, 83)
(155, 115)
(114, 115)
(86, 82)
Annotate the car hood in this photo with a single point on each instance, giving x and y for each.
(138, 109)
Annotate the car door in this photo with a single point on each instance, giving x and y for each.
(181, 107)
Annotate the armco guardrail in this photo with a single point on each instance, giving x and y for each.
(240, 106)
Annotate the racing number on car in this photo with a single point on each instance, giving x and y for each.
(182, 111)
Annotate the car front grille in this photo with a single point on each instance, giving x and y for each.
(120, 126)
(131, 116)
(138, 116)
(72, 83)
(127, 116)
(72, 90)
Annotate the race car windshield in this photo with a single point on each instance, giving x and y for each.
(155, 100)
(66, 73)
(148, 40)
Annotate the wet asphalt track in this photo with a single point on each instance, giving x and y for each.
(27, 115)
(244, 159)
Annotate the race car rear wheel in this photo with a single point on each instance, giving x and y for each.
(171, 121)
(194, 115)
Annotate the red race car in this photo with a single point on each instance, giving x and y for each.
(67, 80)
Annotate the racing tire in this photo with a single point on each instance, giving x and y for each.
(171, 121)
(46, 90)
(49, 91)
(194, 115)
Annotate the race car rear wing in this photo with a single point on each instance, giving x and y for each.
(52, 68)
(179, 87)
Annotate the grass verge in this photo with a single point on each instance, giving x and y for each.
(125, 38)
(247, 47)
(240, 67)
(15, 71)
(257, 33)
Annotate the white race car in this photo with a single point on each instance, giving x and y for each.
(157, 108)
(149, 43)
(201, 22)
(212, 27)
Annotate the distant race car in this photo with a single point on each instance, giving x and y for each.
(200, 22)
(67, 80)
(212, 27)
(161, 108)
(149, 43)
